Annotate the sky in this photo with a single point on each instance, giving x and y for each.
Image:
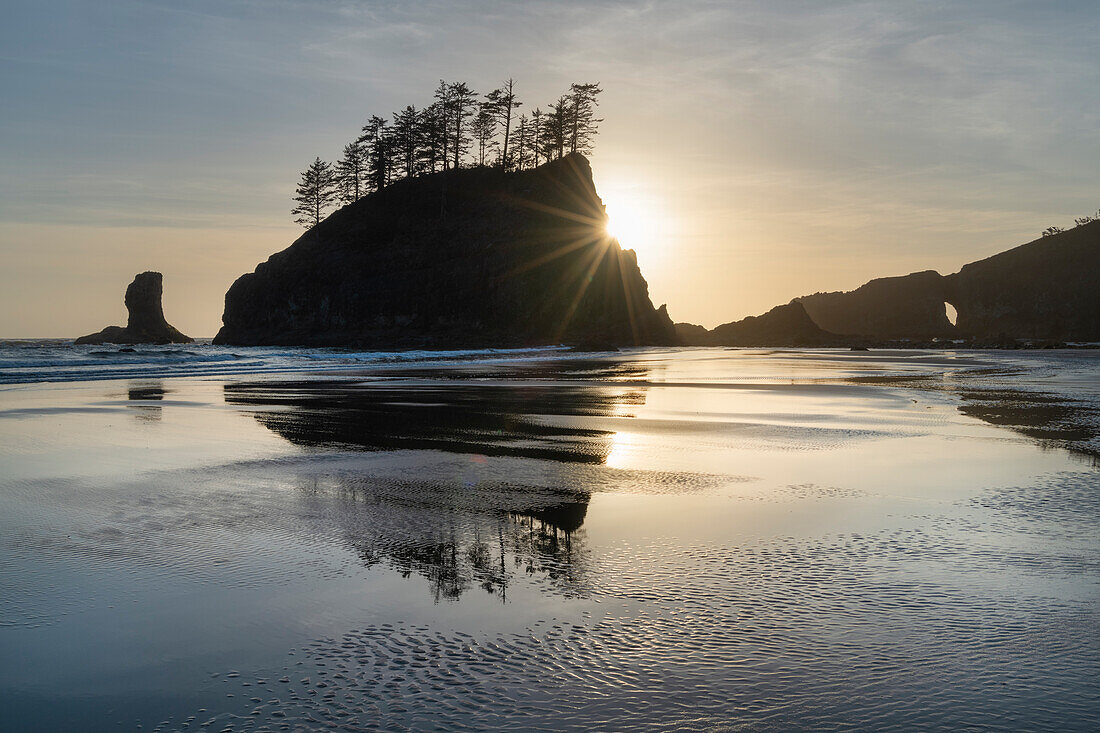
(765, 149)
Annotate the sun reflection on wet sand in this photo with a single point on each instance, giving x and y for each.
(624, 447)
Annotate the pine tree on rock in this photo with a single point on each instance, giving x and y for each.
(537, 122)
(582, 116)
(433, 137)
(351, 173)
(522, 144)
(463, 100)
(445, 105)
(379, 142)
(502, 102)
(556, 128)
(315, 195)
(483, 130)
(406, 138)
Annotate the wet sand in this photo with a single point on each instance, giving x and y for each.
(670, 540)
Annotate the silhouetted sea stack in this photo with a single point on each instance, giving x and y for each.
(784, 325)
(469, 257)
(145, 324)
(910, 306)
(1045, 290)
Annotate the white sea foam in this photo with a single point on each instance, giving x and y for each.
(54, 360)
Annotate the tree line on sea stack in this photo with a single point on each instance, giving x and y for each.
(456, 130)
(1078, 222)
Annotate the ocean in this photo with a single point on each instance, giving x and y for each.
(58, 360)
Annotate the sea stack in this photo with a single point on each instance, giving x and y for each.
(784, 325)
(145, 324)
(474, 257)
(1045, 290)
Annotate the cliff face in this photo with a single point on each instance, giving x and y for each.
(145, 323)
(1046, 289)
(475, 257)
(911, 306)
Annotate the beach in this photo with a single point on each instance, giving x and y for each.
(224, 539)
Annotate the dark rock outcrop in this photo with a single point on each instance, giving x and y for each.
(784, 325)
(145, 324)
(1048, 289)
(474, 257)
(692, 334)
(910, 306)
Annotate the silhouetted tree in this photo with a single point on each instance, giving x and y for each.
(433, 137)
(462, 101)
(444, 105)
(316, 193)
(351, 173)
(537, 123)
(406, 139)
(582, 116)
(484, 130)
(522, 143)
(502, 102)
(1051, 231)
(438, 136)
(379, 143)
(556, 128)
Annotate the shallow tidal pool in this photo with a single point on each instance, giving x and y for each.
(701, 539)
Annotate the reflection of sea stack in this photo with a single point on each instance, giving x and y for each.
(146, 324)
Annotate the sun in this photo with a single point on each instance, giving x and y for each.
(634, 224)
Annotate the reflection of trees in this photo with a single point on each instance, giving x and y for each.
(438, 562)
(456, 550)
(544, 546)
